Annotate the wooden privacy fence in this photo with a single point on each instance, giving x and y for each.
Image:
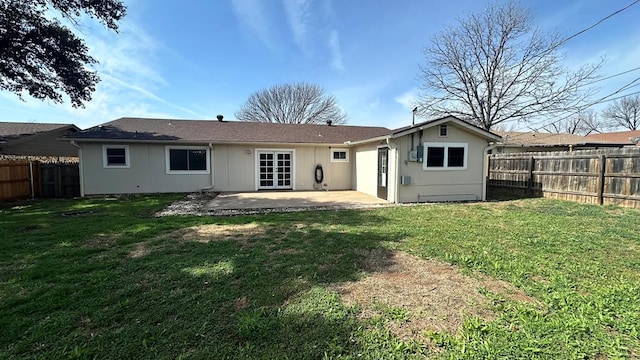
(610, 176)
(21, 179)
(18, 180)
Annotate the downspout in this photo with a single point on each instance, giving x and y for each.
(395, 172)
(485, 168)
(80, 167)
(396, 186)
(211, 172)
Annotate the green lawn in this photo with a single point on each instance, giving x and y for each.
(102, 278)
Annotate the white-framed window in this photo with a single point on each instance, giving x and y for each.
(443, 130)
(115, 156)
(339, 155)
(187, 159)
(445, 156)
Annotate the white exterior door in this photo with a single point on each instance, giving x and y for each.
(275, 169)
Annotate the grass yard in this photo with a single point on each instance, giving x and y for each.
(103, 278)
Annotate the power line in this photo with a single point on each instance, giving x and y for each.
(602, 100)
(612, 76)
(597, 23)
(601, 79)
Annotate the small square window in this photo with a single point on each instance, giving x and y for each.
(115, 156)
(442, 130)
(340, 155)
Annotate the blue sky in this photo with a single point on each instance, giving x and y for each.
(195, 59)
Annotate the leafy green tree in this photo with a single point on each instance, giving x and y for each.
(40, 55)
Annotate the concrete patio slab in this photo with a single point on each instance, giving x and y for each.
(293, 199)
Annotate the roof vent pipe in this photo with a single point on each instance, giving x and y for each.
(329, 122)
(220, 117)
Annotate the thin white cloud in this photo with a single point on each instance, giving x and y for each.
(311, 23)
(408, 99)
(251, 14)
(299, 16)
(336, 53)
(129, 54)
(131, 81)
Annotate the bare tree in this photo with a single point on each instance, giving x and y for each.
(300, 103)
(495, 66)
(624, 113)
(583, 123)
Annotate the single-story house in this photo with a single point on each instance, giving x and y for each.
(437, 160)
(36, 139)
(629, 138)
(531, 141)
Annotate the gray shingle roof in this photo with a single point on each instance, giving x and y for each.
(15, 130)
(227, 131)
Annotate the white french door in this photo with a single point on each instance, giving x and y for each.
(275, 169)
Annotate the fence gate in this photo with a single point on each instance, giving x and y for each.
(18, 180)
(59, 180)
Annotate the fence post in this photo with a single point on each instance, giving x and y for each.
(530, 180)
(601, 170)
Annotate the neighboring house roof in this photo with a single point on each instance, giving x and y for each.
(11, 131)
(624, 137)
(140, 129)
(36, 139)
(531, 138)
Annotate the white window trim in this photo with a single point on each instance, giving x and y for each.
(439, 131)
(446, 147)
(344, 150)
(186, 172)
(105, 163)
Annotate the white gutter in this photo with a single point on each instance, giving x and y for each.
(485, 168)
(396, 185)
(197, 142)
(80, 167)
(365, 141)
(211, 170)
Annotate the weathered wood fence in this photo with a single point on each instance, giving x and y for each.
(610, 176)
(23, 179)
(18, 180)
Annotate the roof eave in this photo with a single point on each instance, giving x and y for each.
(366, 141)
(183, 141)
(486, 134)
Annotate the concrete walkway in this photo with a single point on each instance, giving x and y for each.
(293, 199)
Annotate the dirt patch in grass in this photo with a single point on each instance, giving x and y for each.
(421, 296)
(204, 234)
(207, 233)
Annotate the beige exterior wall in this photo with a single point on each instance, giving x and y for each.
(446, 184)
(366, 169)
(234, 169)
(146, 173)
